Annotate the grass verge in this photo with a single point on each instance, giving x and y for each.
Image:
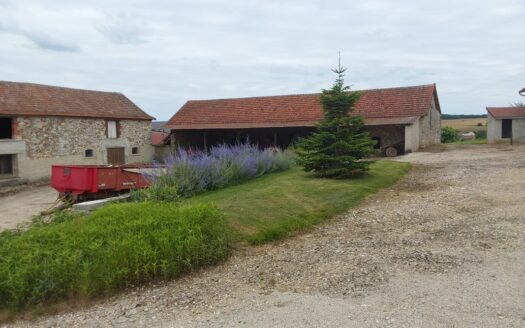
(118, 246)
(276, 205)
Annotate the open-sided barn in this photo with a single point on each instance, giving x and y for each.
(407, 118)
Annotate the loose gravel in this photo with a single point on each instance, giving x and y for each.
(442, 248)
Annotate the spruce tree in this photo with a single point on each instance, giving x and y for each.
(339, 143)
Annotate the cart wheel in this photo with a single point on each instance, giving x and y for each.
(391, 152)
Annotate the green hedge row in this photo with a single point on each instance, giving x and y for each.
(118, 246)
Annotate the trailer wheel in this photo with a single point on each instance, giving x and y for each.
(391, 152)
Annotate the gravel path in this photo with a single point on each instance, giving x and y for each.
(21, 206)
(445, 247)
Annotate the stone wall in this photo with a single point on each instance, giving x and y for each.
(47, 137)
(430, 127)
(61, 140)
(390, 135)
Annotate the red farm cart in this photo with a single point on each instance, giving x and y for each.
(81, 182)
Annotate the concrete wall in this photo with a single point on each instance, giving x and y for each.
(40, 142)
(493, 130)
(412, 134)
(161, 152)
(518, 131)
(430, 127)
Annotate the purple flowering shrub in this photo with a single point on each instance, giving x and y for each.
(191, 172)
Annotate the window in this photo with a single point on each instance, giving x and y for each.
(135, 150)
(88, 153)
(6, 128)
(506, 128)
(112, 129)
(6, 164)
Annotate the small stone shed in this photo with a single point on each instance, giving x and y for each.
(42, 125)
(506, 124)
(408, 118)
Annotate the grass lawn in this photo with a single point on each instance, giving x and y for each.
(275, 205)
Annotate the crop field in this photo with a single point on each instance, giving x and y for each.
(466, 124)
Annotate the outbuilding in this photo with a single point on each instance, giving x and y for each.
(41, 125)
(506, 124)
(405, 118)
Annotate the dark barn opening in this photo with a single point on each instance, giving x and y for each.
(506, 128)
(6, 128)
(6, 165)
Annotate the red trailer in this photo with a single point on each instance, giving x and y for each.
(98, 181)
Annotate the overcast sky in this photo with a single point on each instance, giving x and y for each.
(162, 53)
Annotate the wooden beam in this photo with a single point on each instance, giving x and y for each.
(172, 143)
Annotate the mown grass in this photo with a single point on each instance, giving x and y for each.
(276, 205)
(117, 246)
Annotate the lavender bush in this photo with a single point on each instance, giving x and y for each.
(191, 172)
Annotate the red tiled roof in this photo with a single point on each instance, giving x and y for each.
(28, 99)
(300, 110)
(158, 138)
(506, 112)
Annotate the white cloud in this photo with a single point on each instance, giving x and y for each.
(162, 53)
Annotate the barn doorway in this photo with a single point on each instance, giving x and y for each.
(506, 128)
(116, 156)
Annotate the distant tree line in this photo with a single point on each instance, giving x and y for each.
(461, 116)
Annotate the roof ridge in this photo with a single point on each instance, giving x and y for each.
(311, 94)
(58, 87)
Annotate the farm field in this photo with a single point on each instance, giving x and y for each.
(466, 125)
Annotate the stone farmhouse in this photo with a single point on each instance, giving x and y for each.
(42, 125)
(406, 118)
(506, 124)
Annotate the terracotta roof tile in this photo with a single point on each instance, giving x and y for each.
(159, 138)
(30, 99)
(298, 110)
(506, 112)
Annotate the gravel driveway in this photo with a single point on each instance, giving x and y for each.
(444, 247)
(20, 207)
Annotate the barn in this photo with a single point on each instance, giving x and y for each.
(42, 125)
(407, 118)
(506, 124)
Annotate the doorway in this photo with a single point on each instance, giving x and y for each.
(6, 166)
(116, 156)
(506, 128)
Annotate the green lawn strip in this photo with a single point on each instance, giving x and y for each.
(117, 246)
(273, 206)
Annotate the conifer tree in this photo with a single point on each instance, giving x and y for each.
(340, 142)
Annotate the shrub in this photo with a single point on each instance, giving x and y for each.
(481, 134)
(116, 247)
(449, 134)
(191, 172)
